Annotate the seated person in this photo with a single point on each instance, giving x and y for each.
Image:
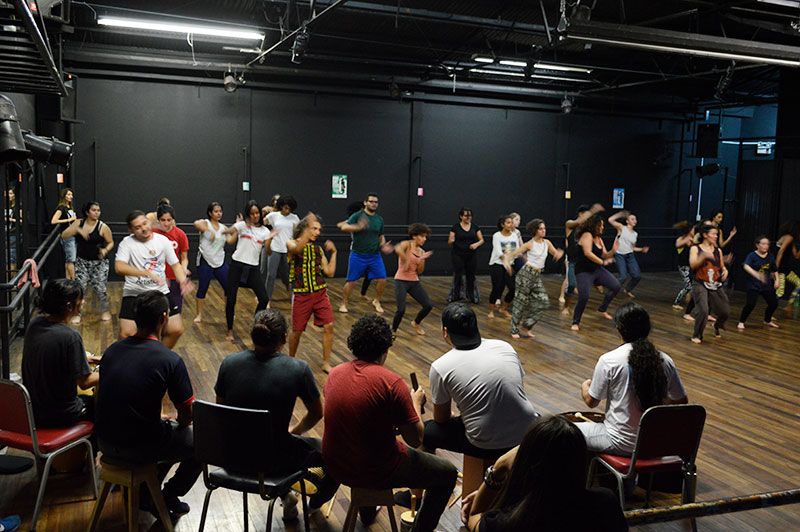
(135, 374)
(631, 378)
(484, 378)
(540, 485)
(54, 360)
(265, 379)
(365, 406)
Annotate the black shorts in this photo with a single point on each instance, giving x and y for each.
(126, 309)
(451, 436)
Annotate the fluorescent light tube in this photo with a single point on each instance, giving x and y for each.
(508, 62)
(566, 68)
(498, 72)
(561, 78)
(480, 59)
(214, 31)
(691, 51)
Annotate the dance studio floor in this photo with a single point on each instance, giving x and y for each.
(749, 383)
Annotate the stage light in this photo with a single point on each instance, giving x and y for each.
(48, 149)
(300, 45)
(229, 81)
(566, 105)
(12, 145)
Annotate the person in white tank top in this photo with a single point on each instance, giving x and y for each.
(530, 297)
(624, 257)
(210, 255)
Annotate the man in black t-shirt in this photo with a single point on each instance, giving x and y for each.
(135, 374)
(265, 379)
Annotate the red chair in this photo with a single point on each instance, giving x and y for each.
(667, 440)
(17, 430)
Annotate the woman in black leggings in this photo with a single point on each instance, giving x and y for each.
(249, 236)
(592, 256)
(465, 238)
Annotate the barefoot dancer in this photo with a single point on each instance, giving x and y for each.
(411, 263)
(530, 297)
(710, 272)
(210, 255)
(682, 244)
(589, 268)
(366, 226)
(762, 280)
(571, 242)
(504, 242)
(307, 263)
(625, 257)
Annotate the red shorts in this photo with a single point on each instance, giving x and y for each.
(304, 305)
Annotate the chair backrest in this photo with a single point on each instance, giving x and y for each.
(668, 430)
(17, 413)
(237, 439)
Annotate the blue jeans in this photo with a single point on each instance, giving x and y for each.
(627, 265)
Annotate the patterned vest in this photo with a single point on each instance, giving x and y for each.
(305, 271)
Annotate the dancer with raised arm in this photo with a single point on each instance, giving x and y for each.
(249, 236)
(571, 243)
(624, 257)
(210, 255)
(589, 268)
(307, 263)
(682, 244)
(530, 297)
(366, 227)
(410, 264)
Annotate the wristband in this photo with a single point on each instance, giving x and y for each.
(489, 480)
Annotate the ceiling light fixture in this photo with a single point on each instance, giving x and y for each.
(481, 59)
(561, 78)
(229, 81)
(677, 42)
(498, 72)
(565, 68)
(169, 27)
(513, 63)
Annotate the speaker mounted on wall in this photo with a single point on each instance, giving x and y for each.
(707, 141)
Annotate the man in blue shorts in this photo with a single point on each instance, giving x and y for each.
(366, 228)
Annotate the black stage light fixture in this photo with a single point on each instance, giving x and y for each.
(12, 145)
(707, 170)
(48, 149)
(229, 81)
(300, 45)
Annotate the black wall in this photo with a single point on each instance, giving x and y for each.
(143, 140)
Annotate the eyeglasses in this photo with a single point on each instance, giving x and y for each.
(467, 215)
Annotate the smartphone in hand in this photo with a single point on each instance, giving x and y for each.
(414, 386)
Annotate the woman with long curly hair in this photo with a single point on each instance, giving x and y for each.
(710, 272)
(631, 378)
(540, 484)
(589, 270)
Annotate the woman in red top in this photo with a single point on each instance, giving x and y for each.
(705, 259)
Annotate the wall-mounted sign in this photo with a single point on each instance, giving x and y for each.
(339, 186)
(618, 200)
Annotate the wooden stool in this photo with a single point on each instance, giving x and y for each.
(473, 469)
(360, 497)
(130, 477)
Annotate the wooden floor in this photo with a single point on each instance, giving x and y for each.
(749, 382)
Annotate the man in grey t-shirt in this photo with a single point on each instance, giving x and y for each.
(484, 378)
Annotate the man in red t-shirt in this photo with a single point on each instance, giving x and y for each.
(365, 406)
(180, 243)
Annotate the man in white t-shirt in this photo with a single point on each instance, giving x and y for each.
(283, 221)
(142, 257)
(615, 379)
(484, 378)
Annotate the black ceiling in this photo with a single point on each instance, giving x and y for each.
(429, 46)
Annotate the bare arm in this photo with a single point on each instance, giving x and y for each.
(72, 230)
(231, 235)
(682, 241)
(329, 265)
(442, 413)
(696, 257)
(201, 225)
(479, 243)
(727, 240)
(590, 401)
(484, 497)
(185, 415)
(356, 227)
(451, 238)
(613, 220)
(785, 242)
(556, 253)
(585, 243)
(56, 219)
(105, 232)
(312, 417)
(88, 381)
(185, 260)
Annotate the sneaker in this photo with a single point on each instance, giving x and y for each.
(290, 511)
(402, 498)
(9, 524)
(368, 514)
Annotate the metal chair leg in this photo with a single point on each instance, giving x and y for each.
(246, 513)
(205, 509)
(269, 514)
(42, 486)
